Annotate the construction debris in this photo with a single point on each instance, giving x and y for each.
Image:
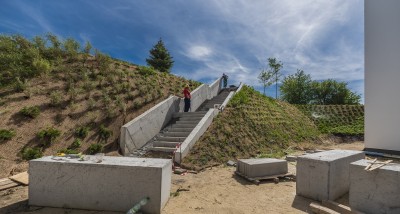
(231, 163)
(371, 167)
(22, 178)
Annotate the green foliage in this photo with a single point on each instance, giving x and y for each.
(240, 98)
(30, 111)
(297, 88)
(41, 66)
(6, 134)
(56, 98)
(346, 120)
(265, 78)
(48, 135)
(104, 133)
(71, 47)
(95, 148)
(31, 153)
(275, 67)
(146, 71)
(19, 85)
(76, 144)
(87, 48)
(160, 59)
(82, 131)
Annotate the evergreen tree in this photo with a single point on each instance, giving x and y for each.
(160, 58)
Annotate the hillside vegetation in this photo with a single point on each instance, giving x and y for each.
(343, 120)
(252, 125)
(58, 97)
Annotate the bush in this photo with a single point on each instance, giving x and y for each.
(19, 85)
(56, 98)
(76, 144)
(6, 134)
(30, 111)
(95, 148)
(146, 71)
(31, 153)
(48, 135)
(82, 131)
(105, 133)
(41, 65)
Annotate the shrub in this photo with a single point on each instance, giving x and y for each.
(105, 133)
(48, 135)
(31, 153)
(30, 111)
(19, 85)
(146, 71)
(56, 98)
(95, 148)
(41, 65)
(6, 134)
(82, 131)
(76, 144)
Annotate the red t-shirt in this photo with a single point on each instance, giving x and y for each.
(186, 93)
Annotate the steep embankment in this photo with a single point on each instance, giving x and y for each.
(71, 103)
(341, 120)
(252, 125)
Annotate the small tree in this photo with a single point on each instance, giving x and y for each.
(296, 88)
(265, 77)
(160, 58)
(275, 67)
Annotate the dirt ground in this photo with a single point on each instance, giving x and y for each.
(215, 190)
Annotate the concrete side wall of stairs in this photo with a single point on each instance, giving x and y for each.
(143, 128)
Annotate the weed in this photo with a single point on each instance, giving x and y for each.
(19, 85)
(95, 148)
(146, 71)
(6, 134)
(48, 135)
(56, 98)
(104, 133)
(91, 104)
(76, 144)
(31, 153)
(30, 111)
(82, 131)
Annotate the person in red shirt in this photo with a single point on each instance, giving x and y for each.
(186, 94)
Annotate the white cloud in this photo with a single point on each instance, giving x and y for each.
(198, 52)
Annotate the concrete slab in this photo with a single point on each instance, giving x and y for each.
(376, 191)
(261, 167)
(325, 175)
(115, 184)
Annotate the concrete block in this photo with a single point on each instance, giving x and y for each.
(376, 191)
(115, 184)
(261, 167)
(325, 175)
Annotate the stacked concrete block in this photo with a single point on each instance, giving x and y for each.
(325, 175)
(115, 184)
(262, 167)
(376, 191)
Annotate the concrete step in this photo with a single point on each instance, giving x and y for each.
(182, 129)
(170, 139)
(181, 125)
(190, 118)
(187, 122)
(175, 134)
(165, 144)
(162, 149)
(189, 114)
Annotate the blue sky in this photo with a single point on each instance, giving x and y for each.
(325, 38)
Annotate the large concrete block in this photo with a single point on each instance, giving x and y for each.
(115, 184)
(376, 191)
(325, 175)
(261, 167)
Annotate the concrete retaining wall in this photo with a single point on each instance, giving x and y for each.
(325, 175)
(115, 184)
(377, 191)
(140, 130)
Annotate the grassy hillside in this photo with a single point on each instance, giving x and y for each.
(54, 99)
(252, 125)
(343, 120)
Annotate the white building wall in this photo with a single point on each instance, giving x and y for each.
(382, 74)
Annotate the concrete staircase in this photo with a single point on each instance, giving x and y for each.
(183, 124)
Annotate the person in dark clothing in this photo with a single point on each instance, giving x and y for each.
(225, 79)
(186, 94)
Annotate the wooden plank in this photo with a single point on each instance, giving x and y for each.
(319, 209)
(370, 164)
(339, 207)
(22, 178)
(379, 165)
(7, 183)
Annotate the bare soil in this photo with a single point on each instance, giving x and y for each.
(214, 190)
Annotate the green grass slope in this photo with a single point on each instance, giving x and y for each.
(252, 125)
(342, 120)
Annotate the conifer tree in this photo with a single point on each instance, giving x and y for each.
(160, 58)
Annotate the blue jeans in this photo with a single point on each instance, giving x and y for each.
(187, 104)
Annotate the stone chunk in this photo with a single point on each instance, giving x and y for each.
(115, 184)
(376, 191)
(261, 167)
(325, 175)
